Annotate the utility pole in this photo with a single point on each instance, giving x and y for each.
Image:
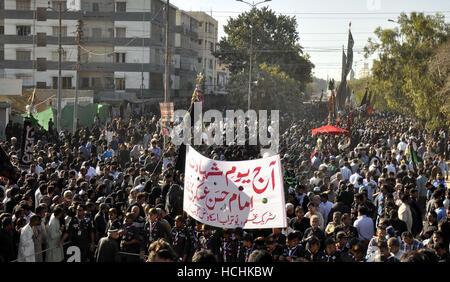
(75, 107)
(253, 5)
(166, 63)
(250, 69)
(59, 122)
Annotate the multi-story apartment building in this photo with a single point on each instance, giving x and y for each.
(207, 39)
(185, 54)
(122, 49)
(223, 75)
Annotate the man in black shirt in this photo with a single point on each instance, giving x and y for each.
(81, 233)
(299, 222)
(130, 240)
(330, 253)
(293, 249)
(274, 249)
(100, 221)
(210, 241)
(7, 248)
(179, 239)
(228, 251)
(347, 227)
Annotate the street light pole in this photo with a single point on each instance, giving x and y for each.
(253, 5)
(59, 118)
(250, 70)
(166, 63)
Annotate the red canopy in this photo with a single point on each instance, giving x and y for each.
(329, 130)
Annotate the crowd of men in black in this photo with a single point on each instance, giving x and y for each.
(115, 191)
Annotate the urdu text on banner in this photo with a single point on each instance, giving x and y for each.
(230, 194)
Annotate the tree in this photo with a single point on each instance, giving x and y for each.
(274, 89)
(439, 74)
(401, 74)
(274, 43)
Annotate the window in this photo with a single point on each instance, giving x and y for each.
(121, 32)
(55, 31)
(41, 64)
(55, 5)
(2, 4)
(200, 24)
(111, 32)
(41, 14)
(66, 82)
(23, 55)
(55, 56)
(96, 82)
(23, 30)
(27, 80)
(95, 7)
(210, 64)
(97, 32)
(41, 84)
(199, 60)
(120, 83)
(200, 42)
(119, 58)
(2, 54)
(85, 82)
(24, 5)
(2, 29)
(41, 39)
(211, 46)
(121, 6)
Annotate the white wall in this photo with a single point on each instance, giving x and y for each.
(137, 5)
(133, 79)
(41, 52)
(40, 26)
(134, 29)
(10, 86)
(134, 54)
(48, 75)
(11, 4)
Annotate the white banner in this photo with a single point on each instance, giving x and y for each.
(247, 194)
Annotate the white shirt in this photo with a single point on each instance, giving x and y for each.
(37, 197)
(346, 172)
(391, 167)
(324, 209)
(402, 146)
(26, 245)
(364, 225)
(39, 169)
(354, 178)
(404, 213)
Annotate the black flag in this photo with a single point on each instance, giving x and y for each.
(7, 170)
(370, 98)
(349, 52)
(364, 100)
(347, 62)
(27, 145)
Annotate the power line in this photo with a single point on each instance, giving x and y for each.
(304, 13)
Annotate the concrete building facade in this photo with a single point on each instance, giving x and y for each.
(122, 49)
(207, 40)
(121, 52)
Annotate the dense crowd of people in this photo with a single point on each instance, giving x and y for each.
(115, 191)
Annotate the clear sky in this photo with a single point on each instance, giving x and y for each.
(323, 24)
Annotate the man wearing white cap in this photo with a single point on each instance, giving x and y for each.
(108, 248)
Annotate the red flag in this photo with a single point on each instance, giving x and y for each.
(370, 109)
